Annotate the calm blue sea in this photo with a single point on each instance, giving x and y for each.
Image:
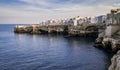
(48, 52)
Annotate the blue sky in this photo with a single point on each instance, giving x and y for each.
(35, 11)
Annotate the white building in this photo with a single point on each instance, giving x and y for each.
(70, 21)
(52, 22)
(113, 23)
(78, 20)
(98, 19)
(113, 18)
(81, 21)
(94, 20)
(75, 22)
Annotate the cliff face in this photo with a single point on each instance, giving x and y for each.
(111, 43)
(27, 29)
(81, 30)
(115, 62)
(37, 29)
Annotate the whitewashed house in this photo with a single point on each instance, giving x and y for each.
(113, 23)
(70, 21)
(93, 20)
(99, 19)
(80, 21)
(76, 20)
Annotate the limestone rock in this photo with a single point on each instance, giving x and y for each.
(106, 43)
(98, 42)
(19, 29)
(115, 45)
(115, 62)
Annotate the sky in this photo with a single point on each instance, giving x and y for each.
(36, 11)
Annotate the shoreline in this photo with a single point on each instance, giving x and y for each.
(78, 31)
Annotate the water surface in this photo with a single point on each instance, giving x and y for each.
(48, 52)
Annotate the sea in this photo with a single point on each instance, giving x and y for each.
(49, 52)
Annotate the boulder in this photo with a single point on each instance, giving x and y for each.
(98, 42)
(19, 29)
(115, 62)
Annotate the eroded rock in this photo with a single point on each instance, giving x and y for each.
(115, 62)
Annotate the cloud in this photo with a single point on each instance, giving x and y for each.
(54, 4)
(34, 11)
(117, 4)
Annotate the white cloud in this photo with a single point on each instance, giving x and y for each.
(32, 12)
(37, 2)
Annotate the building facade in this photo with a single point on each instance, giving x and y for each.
(113, 23)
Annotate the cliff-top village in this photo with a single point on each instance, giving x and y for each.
(105, 27)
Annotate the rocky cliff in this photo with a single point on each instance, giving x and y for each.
(111, 44)
(115, 62)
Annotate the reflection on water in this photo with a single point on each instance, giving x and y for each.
(49, 52)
